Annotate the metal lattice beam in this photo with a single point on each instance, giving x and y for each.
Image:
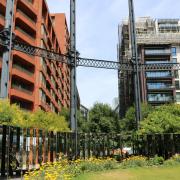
(103, 64)
(86, 62)
(37, 51)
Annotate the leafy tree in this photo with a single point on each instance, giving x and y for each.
(128, 124)
(14, 116)
(9, 114)
(164, 119)
(103, 119)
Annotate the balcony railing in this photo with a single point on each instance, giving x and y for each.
(25, 33)
(157, 52)
(160, 86)
(163, 99)
(22, 13)
(158, 74)
(20, 88)
(23, 69)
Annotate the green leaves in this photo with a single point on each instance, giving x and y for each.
(164, 119)
(103, 119)
(14, 116)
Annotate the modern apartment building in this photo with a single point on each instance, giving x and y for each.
(38, 82)
(158, 41)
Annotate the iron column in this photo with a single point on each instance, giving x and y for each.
(73, 104)
(135, 63)
(7, 49)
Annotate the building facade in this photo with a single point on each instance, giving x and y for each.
(158, 41)
(38, 82)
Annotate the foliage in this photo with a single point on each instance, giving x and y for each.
(175, 160)
(66, 170)
(14, 116)
(157, 160)
(128, 123)
(141, 161)
(103, 119)
(164, 119)
(134, 161)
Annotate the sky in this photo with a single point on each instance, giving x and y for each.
(97, 37)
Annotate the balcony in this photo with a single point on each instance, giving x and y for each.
(24, 70)
(28, 7)
(24, 36)
(18, 71)
(159, 75)
(21, 93)
(157, 52)
(28, 58)
(160, 98)
(26, 19)
(159, 87)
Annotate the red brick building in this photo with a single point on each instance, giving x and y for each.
(38, 82)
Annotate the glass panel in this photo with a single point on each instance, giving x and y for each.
(157, 51)
(159, 74)
(160, 97)
(159, 85)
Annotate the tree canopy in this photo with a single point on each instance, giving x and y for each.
(103, 119)
(163, 119)
(14, 116)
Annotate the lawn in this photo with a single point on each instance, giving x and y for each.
(147, 173)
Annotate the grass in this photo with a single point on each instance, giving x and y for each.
(145, 173)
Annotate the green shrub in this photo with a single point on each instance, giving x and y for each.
(175, 160)
(134, 161)
(157, 160)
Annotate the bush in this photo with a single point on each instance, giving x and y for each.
(157, 160)
(175, 160)
(134, 161)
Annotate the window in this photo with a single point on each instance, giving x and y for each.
(173, 51)
(178, 96)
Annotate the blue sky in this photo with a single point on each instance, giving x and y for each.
(97, 36)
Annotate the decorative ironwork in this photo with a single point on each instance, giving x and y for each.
(86, 62)
(37, 51)
(103, 64)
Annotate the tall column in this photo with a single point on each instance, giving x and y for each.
(7, 50)
(135, 63)
(73, 104)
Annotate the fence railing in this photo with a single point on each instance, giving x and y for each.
(27, 149)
